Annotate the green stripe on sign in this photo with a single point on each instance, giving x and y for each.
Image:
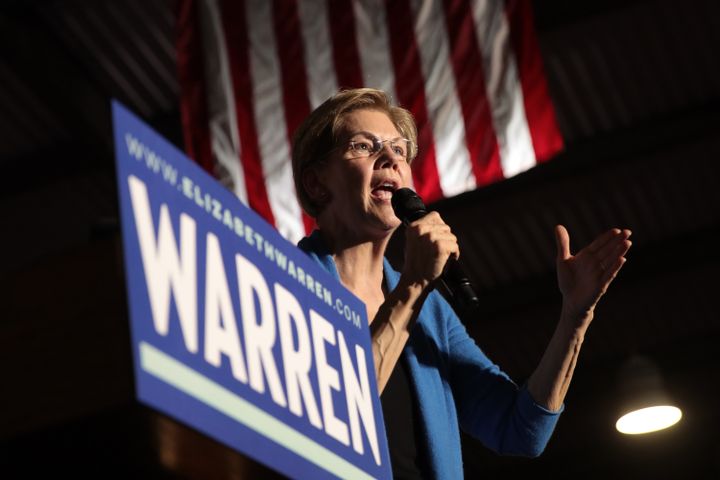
(184, 378)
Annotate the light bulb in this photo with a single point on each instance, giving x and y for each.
(650, 419)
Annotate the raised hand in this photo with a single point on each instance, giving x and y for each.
(583, 278)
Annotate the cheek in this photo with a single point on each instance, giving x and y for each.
(346, 183)
(355, 177)
(406, 174)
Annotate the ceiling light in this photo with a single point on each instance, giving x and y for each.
(649, 419)
(645, 404)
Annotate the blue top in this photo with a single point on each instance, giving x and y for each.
(452, 378)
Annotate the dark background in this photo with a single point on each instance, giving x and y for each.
(636, 85)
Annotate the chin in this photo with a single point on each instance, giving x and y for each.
(380, 226)
(390, 225)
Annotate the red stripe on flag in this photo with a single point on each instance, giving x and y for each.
(410, 89)
(546, 137)
(467, 63)
(286, 22)
(236, 40)
(344, 44)
(191, 74)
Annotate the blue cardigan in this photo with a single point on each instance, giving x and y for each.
(456, 385)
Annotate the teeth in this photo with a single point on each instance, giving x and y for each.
(384, 189)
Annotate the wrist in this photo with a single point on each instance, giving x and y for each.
(576, 321)
(414, 286)
(401, 306)
(407, 294)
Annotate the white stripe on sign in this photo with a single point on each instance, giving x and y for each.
(178, 375)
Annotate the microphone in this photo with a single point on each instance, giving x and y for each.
(408, 207)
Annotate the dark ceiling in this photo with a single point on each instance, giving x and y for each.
(636, 85)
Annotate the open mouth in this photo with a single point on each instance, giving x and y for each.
(384, 190)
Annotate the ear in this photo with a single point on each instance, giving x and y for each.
(314, 187)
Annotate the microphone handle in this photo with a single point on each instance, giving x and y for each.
(453, 277)
(459, 286)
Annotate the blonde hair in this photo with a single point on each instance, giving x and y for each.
(318, 134)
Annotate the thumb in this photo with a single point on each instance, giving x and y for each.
(562, 240)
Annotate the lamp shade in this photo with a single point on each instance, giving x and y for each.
(645, 405)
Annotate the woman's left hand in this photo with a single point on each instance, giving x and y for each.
(584, 277)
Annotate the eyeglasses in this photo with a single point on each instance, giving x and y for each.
(366, 145)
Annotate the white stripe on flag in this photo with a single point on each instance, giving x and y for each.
(220, 101)
(503, 87)
(314, 24)
(270, 120)
(374, 46)
(453, 159)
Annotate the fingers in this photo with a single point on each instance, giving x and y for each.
(613, 249)
(562, 240)
(603, 258)
(612, 255)
(430, 222)
(611, 272)
(606, 241)
(438, 233)
(603, 239)
(431, 218)
(429, 243)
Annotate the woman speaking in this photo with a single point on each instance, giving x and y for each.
(349, 156)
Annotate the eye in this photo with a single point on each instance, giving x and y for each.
(361, 146)
(399, 150)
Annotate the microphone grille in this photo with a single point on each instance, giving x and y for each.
(407, 205)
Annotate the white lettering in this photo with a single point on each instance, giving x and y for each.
(216, 209)
(221, 336)
(359, 401)
(297, 362)
(259, 337)
(291, 269)
(227, 218)
(281, 260)
(258, 241)
(239, 226)
(269, 251)
(167, 270)
(323, 331)
(249, 235)
(301, 276)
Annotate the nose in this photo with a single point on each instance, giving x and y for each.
(387, 158)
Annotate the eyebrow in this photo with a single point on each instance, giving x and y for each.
(372, 135)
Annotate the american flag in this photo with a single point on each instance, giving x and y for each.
(469, 71)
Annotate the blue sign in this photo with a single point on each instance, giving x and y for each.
(235, 331)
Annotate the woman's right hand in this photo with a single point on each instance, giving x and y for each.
(429, 243)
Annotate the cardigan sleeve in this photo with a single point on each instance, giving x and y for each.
(490, 405)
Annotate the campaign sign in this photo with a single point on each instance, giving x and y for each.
(235, 331)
